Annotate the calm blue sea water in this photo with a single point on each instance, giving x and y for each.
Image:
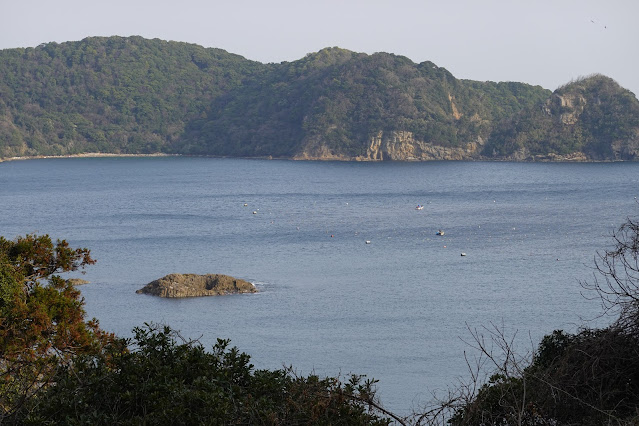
(396, 309)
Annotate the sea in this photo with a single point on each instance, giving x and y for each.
(352, 277)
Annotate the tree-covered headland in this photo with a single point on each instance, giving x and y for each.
(130, 95)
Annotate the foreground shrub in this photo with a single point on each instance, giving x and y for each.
(167, 380)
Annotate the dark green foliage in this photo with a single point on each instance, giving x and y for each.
(595, 375)
(588, 378)
(164, 381)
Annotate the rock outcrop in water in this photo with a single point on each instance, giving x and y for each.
(193, 285)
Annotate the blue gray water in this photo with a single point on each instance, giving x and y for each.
(396, 309)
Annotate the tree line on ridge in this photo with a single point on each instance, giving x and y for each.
(130, 95)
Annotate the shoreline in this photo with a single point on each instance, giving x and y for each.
(86, 155)
(552, 158)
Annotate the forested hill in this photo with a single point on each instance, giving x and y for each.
(134, 95)
(116, 95)
(340, 104)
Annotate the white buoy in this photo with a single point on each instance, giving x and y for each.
(368, 241)
(463, 254)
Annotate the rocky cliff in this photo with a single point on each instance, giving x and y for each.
(192, 285)
(395, 146)
(402, 146)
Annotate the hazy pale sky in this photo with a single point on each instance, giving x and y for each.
(544, 42)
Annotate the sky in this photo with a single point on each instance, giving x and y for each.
(540, 42)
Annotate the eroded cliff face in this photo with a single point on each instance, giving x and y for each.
(568, 106)
(525, 155)
(394, 146)
(402, 146)
(456, 114)
(628, 149)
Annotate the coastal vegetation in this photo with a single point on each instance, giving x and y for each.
(57, 367)
(130, 95)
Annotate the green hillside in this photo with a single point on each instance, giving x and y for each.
(332, 103)
(138, 96)
(117, 95)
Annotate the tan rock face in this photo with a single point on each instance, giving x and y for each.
(453, 107)
(401, 146)
(395, 146)
(192, 285)
(570, 107)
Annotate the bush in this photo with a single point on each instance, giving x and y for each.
(167, 380)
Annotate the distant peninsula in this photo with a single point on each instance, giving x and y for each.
(133, 96)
